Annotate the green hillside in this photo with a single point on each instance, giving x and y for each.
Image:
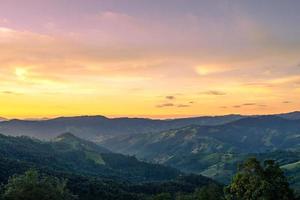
(71, 154)
(92, 171)
(216, 151)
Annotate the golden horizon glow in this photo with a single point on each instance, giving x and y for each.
(115, 61)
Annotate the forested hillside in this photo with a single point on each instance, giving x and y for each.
(215, 151)
(92, 171)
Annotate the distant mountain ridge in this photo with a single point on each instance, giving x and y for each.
(246, 135)
(213, 151)
(97, 128)
(292, 115)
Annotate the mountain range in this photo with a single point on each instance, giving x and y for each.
(215, 151)
(210, 146)
(98, 128)
(71, 154)
(93, 172)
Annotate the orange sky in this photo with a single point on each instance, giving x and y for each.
(115, 61)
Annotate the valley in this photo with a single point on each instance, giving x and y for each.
(155, 150)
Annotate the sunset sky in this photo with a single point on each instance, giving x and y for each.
(149, 58)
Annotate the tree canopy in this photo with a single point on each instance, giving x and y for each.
(34, 186)
(259, 182)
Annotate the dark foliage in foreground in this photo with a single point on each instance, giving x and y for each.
(71, 168)
(256, 182)
(44, 186)
(92, 172)
(32, 185)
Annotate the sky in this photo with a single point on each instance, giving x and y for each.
(148, 58)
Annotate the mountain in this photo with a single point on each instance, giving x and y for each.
(293, 115)
(93, 172)
(248, 135)
(96, 128)
(68, 141)
(68, 153)
(213, 151)
(222, 167)
(293, 171)
(2, 119)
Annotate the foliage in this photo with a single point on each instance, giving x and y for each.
(209, 192)
(72, 154)
(162, 196)
(33, 186)
(256, 182)
(88, 187)
(121, 177)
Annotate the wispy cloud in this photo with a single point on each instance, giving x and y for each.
(183, 105)
(237, 106)
(165, 105)
(11, 93)
(249, 104)
(170, 97)
(213, 93)
(286, 102)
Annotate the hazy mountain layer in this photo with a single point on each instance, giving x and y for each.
(215, 151)
(99, 127)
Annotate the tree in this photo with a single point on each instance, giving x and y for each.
(33, 186)
(256, 182)
(162, 196)
(210, 192)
